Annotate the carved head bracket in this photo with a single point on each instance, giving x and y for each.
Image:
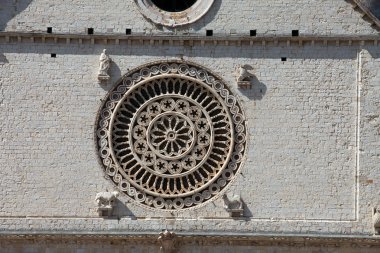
(167, 241)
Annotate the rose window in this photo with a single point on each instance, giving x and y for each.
(171, 136)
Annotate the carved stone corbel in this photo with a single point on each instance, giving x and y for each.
(106, 202)
(234, 205)
(167, 241)
(245, 78)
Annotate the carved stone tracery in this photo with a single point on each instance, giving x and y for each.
(171, 135)
(150, 10)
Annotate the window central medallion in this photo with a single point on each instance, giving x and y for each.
(171, 135)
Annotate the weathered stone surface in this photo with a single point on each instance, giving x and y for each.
(114, 16)
(311, 114)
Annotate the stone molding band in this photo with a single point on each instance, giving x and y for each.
(116, 39)
(203, 239)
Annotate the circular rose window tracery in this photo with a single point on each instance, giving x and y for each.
(171, 135)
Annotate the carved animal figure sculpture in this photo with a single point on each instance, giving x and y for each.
(244, 75)
(105, 199)
(235, 203)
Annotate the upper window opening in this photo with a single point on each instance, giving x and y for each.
(174, 13)
(174, 5)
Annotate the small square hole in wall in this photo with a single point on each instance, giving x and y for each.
(90, 30)
(283, 58)
(49, 30)
(295, 33)
(252, 33)
(209, 32)
(53, 55)
(128, 31)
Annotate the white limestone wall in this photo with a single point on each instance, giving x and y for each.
(302, 172)
(318, 17)
(312, 164)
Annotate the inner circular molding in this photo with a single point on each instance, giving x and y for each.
(174, 13)
(174, 5)
(171, 135)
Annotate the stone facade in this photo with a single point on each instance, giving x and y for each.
(310, 168)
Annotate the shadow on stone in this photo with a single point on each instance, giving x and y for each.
(3, 59)
(208, 17)
(247, 213)
(373, 6)
(257, 90)
(11, 8)
(373, 51)
(121, 210)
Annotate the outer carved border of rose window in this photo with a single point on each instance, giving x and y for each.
(173, 19)
(196, 169)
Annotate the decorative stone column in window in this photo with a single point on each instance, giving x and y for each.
(173, 12)
(171, 135)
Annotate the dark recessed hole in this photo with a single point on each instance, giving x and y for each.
(90, 30)
(174, 5)
(283, 59)
(252, 32)
(128, 31)
(53, 55)
(209, 32)
(295, 33)
(49, 30)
